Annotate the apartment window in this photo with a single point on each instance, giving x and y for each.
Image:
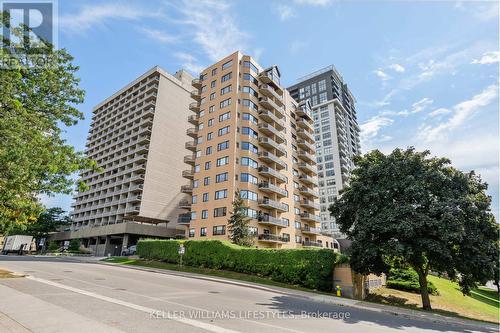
(251, 78)
(249, 195)
(327, 135)
(203, 89)
(226, 77)
(248, 178)
(324, 114)
(211, 109)
(214, 71)
(250, 132)
(248, 64)
(221, 211)
(196, 183)
(314, 100)
(328, 158)
(298, 239)
(252, 231)
(327, 142)
(206, 181)
(223, 145)
(221, 177)
(221, 194)
(203, 77)
(246, 161)
(219, 230)
(222, 161)
(197, 168)
(208, 150)
(227, 64)
(204, 214)
(210, 122)
(205, 197)
(194, 199)
(249, 117)
(224, 130)
(225, 116)
(249, 90)
(248, 146)
(203, 232)
(225, 103)
(213, 83)
(210, 136)
(200, 127)
(207, 165)
(203, 100)
(191, 232)
(313, 88)
(212, 96)
(297, 225)
(199, 140)
(322, 97)
(249, 212)
(193, 215)
(248, 103)
(225, 90)
(286, 237)
(322, 86)
(329, 173)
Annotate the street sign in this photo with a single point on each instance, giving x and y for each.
(182, 249)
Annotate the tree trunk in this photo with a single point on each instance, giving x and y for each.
(424, 292)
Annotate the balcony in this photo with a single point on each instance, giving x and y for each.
(309, 217)
(270, 117)
(270, 172)
(304, 111)
(268, 77)
(309, 204)
(195, 94)
(194, 106)
(135, 198)
(271, 238)
(305, 145)
(269, 91)
(272, 204)
(310, 231)
(268, 103)
(311, 244)
(187, 189)
(192, 132)
(308, 192)
(306, 167)
(191, 145)
(305, 134)
(185, 204)
(189, 159)
(271, 220)
(189, 174)
(302, 123)
(194, 119)
(271, 144)
(308, 179)
(184, 219)
(196, 83)
(306, 156)
(271, 158)
(271, 188)
(270, 131)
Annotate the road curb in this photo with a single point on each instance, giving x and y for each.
(327, 299)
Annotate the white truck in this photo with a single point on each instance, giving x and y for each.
(17, 243)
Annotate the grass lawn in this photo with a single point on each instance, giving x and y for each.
(482, 304)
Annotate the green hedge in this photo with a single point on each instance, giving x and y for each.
(310, 268)
(407, 280)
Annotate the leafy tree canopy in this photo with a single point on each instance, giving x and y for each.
(48, 221)
(420, 211)
(35, 102)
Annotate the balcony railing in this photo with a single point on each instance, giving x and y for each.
(268, 129)
(312, 244)
(268, 103)
(308, 192)
(268, 187)
(194, 106)
(270, 117)
(195, 94)
(272, 238)
(309, 217)
(276, 221)
(189, 159)
(306, 156)
(308, 179)
(305, 134)
(184, 219)
(187, 189)
(271, 204)
(269, 91)
(309, 204)
(196, 83)
(271, 144)
(194, 119)
(192, 132)
(191, 145)
(271, 158)
(186, 204)
(270, 172)
(189, 174)
(311, 231)
(308, 168)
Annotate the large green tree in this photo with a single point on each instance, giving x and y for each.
(36, 101)
(415, 209)
(239, 232)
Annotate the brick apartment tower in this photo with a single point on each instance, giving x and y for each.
(249, 135)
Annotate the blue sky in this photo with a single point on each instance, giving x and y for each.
(425, 74)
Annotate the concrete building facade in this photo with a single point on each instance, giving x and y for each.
(137, 138)
(336, 133)
(249, 136)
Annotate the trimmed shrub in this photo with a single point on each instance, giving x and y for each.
(310, 268)
(407, 280)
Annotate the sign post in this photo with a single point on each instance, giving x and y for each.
(182, 249)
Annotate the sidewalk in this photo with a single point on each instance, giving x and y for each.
(381, 308)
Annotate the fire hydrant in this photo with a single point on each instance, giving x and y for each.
(339, 291)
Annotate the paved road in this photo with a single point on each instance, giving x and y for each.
(61, 295)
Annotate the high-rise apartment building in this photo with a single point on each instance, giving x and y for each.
(137, 137)
(249, 137)
(336, 133)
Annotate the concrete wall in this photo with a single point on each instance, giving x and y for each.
(355, 285)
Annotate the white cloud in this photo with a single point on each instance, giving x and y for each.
(314, 2)
(213, 27)
(285, 12)
(189, 62)
(488, 58)
(439, 112)
(381, 74)
(159, 36)
(416, 107)
(397, 67)
(91, 16)
(487, 11)
(460, 114)
(371, 128)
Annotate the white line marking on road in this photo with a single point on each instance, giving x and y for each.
(195, 323)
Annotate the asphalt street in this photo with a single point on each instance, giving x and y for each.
(62, 295)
